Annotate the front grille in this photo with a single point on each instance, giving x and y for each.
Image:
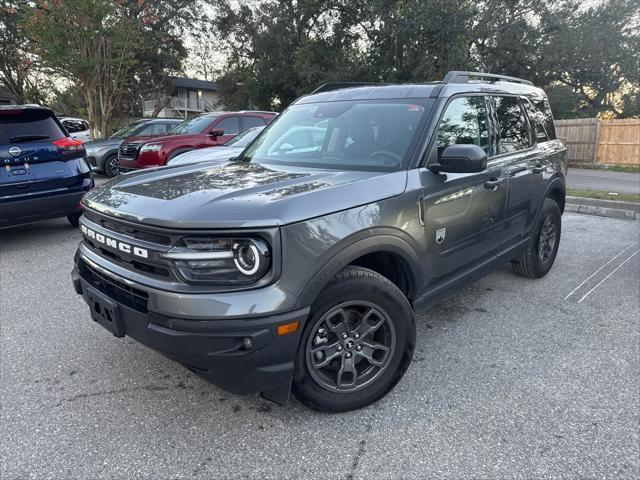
(128, 230)
(117, 291)
(129, 150)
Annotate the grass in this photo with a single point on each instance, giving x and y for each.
(621, 197)
(610, 168)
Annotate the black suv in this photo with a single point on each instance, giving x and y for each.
(298, 265)
(43, 171)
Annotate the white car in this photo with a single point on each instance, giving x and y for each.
(78, 128)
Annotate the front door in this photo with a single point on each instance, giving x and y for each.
(463, 213)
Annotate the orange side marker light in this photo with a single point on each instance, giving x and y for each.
(287, 328)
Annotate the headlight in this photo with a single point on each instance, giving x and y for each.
(151, 147)
(229, 261)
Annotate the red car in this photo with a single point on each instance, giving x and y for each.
(207, 130)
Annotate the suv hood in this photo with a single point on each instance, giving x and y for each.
(238, 195)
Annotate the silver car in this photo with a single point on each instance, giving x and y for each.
(222, 153)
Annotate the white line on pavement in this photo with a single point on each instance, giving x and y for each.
(597, 271)
(605, 278)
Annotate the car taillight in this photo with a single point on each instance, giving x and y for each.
(69, 143)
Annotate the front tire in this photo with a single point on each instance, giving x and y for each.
(111, 166)
(357, 344)
(538, 258)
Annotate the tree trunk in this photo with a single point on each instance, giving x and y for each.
(88, 95)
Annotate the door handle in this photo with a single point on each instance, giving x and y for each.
(493, 183)
(539, 169)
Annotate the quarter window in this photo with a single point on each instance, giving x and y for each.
(464, 122)
(514, 129)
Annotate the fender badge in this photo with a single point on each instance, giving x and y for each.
(440, 235)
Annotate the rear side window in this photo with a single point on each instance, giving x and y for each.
(513, 126)
(544, 110)
(229, 125)
(536, 119)
(28, 126)
(464, 122)
(156, 129)
(250, 122)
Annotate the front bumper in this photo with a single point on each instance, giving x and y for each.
(239, 355)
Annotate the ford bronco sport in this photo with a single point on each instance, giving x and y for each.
(298, 265)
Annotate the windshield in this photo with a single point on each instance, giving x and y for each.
(245, 138)
(193, 125)
(347, 135)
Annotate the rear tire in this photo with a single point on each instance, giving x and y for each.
(111, 168)
(357, 344)
(74, 219)
(538, 258)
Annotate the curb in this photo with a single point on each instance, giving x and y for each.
(597, 202)
(601, 211)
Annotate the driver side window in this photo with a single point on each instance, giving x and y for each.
(464, 122)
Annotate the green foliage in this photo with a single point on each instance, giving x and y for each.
(586, 54)
(19, 71)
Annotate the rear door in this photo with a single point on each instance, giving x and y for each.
(516, 150)
(36, 154)
(463, 212)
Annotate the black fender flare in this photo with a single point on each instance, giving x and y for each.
(557, 183)
(386, 240)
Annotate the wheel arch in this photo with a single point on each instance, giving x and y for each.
(557, 191)
(382, 253)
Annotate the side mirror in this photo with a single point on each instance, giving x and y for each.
(216, 132)
(461, 159)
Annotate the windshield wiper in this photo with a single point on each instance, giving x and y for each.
(27, 138)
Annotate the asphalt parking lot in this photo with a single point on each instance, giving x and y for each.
(511, 378)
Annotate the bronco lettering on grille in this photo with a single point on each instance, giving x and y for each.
(113, 243)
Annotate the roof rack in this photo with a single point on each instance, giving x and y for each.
(456, 76)
(327, 87)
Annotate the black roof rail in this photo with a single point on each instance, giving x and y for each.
(456, 76)
(327, 87)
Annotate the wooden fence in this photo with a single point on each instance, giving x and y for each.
(590, 141)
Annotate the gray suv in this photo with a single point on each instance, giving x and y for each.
(298, 265)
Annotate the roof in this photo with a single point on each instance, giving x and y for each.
(182, 82)
(455, 83)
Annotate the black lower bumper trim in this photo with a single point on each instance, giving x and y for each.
(240, 356)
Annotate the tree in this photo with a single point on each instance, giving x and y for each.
(265, 41)
(597, 55)
(280, 49)
(19, 71)
(91, 43)
(415, 40)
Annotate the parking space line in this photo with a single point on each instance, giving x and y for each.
(598, 271)
(605, 278)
